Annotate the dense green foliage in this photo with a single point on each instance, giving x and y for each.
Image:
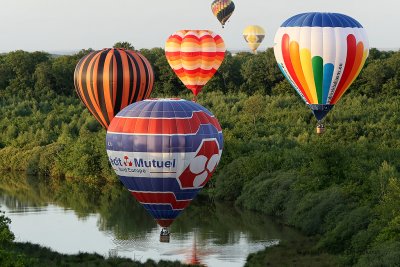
(343, 186)
(284, 255)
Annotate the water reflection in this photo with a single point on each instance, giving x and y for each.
(71, 217)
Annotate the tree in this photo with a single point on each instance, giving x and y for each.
(124, 45)
(254, 107)
(6, 236)
(261, 73)
(283, 88)
(228, 76)
(6, 73)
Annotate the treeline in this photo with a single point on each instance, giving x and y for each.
(343, 186)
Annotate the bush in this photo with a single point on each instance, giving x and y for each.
(5, 234)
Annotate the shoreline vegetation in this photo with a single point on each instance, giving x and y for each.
(120, 214)
(342, 188)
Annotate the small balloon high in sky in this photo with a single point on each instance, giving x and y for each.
(254, 35)
(223, 10)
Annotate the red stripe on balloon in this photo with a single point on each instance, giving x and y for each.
(289, 65)
(350, 59)
(161, 198)
(165, 222)
(206, 36)
(195, 53)
(196, 89)
(195, 71)
(156, 125)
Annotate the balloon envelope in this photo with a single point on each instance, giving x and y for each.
(108, 80)
(164, 151)
(223, 10)
(253, 35)
(195, 56)
(321, 54)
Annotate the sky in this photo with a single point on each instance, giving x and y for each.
(71, 25)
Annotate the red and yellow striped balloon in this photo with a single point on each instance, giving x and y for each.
(195, 56)
(109, 80)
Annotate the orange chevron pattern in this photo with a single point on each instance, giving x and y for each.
(195, 56)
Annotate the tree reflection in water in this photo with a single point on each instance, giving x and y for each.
(206, 228)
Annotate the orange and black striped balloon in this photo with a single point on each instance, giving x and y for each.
(110, 79)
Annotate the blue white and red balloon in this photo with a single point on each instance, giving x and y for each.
(164, 151)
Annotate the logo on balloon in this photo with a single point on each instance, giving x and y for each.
(201, 168)
(127, 162)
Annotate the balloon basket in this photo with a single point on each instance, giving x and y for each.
(165, 236)
(320, 129)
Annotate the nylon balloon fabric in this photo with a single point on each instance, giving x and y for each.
(164, 151)
(195, 56)
(108, 80)
(223, 10)
(321, 54)
(253, 35)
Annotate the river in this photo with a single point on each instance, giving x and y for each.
(69, 218)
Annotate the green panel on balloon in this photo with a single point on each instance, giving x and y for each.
(317, 64)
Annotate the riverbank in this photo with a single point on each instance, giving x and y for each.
(31, 255)
(299, 253)
(285, 254)
(217, 227)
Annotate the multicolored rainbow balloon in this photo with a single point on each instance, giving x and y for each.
(223, 10)
(321, 54)
(195, 56)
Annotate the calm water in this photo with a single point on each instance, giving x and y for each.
(70, 218)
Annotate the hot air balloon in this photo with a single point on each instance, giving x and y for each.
(195, 56)
(164, 152)
(110, 79)
(321, 54)
(254, 35)
(223, 10)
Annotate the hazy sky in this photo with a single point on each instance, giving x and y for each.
(54, 25)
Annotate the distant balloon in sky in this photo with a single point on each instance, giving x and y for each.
(110, 79)
(195, 56)
(164, 152)
(321, 54)
(254, 35)
(223, 10)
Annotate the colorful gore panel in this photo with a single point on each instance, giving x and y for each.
(164, 151)
(223, 10)
(108, 80)
(321, 54)
(253, 35)
(195, 56)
